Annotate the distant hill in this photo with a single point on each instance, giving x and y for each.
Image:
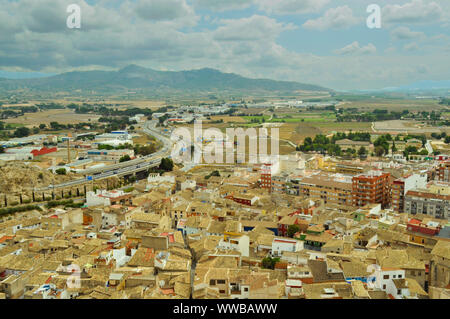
(145, 80)
(23, 75)
(421, 86)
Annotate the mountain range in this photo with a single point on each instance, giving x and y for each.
(144, 80)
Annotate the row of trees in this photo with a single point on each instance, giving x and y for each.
(353, 136)
(374, 116)
(383, 144)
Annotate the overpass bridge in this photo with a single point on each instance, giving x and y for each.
(122, 169)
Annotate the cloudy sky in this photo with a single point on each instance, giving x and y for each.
(324, 42)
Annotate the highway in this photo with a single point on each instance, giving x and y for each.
(126, 168)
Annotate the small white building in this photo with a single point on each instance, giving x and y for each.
(280, 245)
(138, 118)
(293, 287)
(102, 197)
(240, 244)
(384, 276)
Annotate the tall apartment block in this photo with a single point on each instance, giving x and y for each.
(371, 188)
(443, 173)
(434, 201)
(266, 176)
(402, 185)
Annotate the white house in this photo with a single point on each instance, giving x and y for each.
(102, 197)
(109, 219)
(240, 244)
(280, 245)
(138, 118)
(384, 278)
(394, 283)
(121, 257)
(293, 287)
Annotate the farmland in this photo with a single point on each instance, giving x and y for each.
(62, 116)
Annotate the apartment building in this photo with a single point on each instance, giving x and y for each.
(371, 188)
(443, 172)
(402, 185)
(266, 176)
(331, 188)
(430, 201)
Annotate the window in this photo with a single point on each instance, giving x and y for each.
(222, 291)
(399, 276)
(384, 286)
(399, 292)
(246, 289)
(212, 282)
(220, 282)
(386, 277)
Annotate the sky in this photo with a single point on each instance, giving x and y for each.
(324, 42)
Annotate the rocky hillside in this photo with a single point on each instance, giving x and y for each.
(17, 177)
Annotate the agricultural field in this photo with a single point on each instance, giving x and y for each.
(393, 104)
(228, 119)
(120, 103)
(407, 126)
(63, 116)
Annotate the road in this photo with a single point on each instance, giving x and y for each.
(428, 147)
(126, 168)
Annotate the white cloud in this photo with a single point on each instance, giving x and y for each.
(416, 11)
(114, 36)
(404, 33)
(254, 28)
(223, 5)
(166, 10)
(413, 46)
(334, 18)
(355, 49)
(291, 7)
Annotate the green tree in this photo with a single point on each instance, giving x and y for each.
(362, 151)
(55, 125)
(2, 150)
(447, 140)
(42, 126)
(379, 151)
(166, 165)
(269, 262)
(145, 150)
(105, 147)
(125, 158)
(394, 148)
(292, 230)
(61, 171)
(22, 132)
(215, 173)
